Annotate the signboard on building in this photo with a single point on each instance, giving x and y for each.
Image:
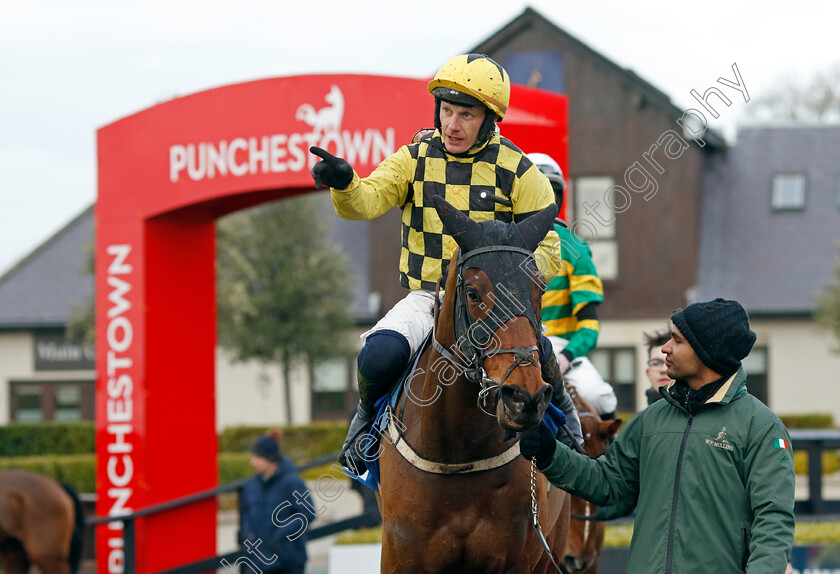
(57, 353)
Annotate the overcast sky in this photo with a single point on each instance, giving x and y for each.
(69, 68)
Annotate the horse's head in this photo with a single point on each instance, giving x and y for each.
(498, 292)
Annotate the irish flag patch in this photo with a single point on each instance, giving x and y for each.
(781, 443)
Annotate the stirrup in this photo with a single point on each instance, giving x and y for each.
(350, 456)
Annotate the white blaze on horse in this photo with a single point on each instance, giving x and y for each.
(455, 494)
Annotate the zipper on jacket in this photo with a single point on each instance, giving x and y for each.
(669, 556)
(745, 556)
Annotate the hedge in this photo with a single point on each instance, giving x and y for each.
(47, 438)
(79, 470)
(808, 421)
(300, 443)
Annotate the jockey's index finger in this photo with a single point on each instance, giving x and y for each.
(323, 154)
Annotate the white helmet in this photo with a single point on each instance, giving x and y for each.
(550, 168)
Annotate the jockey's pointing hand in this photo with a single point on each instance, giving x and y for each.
(538, 443)
(333, 171)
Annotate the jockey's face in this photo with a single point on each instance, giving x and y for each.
(459, 126)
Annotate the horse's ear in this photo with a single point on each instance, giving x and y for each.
(463, 230)
(610, 428)
(534, 228)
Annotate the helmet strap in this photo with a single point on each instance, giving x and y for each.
(488, 127)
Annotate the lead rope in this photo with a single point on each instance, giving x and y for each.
(536, 514)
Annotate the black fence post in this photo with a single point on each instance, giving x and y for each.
(129, 546)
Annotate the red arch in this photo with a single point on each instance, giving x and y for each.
(165, 175)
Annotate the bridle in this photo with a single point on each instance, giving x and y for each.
(475, 337)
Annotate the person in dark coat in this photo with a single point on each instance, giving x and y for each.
(275, 511)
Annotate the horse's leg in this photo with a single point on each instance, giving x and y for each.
(13, 558)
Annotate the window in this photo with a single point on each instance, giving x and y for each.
(837, 187)
(618, 367)
(591, 216)
(62, 401)
(788, 191)
(755, 365)
(330, 384)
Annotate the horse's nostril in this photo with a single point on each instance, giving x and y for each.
(519, 400)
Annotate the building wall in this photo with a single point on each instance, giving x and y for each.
(247, 393)
(254, 393)
(802, 370)
(17, 364)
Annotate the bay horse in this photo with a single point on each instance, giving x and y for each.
(586, 536)
(41, 524)
(455, 493)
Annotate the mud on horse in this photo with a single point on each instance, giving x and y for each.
(586, 536)
(41, 523)
(455, 494)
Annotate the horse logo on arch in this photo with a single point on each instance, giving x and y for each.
(327, 119)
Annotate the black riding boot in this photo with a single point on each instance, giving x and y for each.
(351, 454)
(384, 356)
(560, 398)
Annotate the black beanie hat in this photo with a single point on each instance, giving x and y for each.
(267, 448)
(718, 331)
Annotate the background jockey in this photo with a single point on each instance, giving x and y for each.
(570, 307)
(462, 159)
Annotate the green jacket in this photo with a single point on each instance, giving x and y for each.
(715, 490)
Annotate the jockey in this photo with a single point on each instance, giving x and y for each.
(463, 160)
(570, 307)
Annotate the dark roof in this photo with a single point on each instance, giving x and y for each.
(530, 17)
(48, 285)
(773, 262)
(44, 288)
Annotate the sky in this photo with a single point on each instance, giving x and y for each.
(70, 68)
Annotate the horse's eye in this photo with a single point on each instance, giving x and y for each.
(473, 296)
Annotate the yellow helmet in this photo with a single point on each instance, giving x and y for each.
(473, 75)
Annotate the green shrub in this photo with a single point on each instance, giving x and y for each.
(300, 443)
(618, 536)
(234, 466)
(361, 536)
(817, 533)
(808, 421)
(25, 439)
(78, 470)
(830, 461)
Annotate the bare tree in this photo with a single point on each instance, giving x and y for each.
(815, 100)
(284, 289)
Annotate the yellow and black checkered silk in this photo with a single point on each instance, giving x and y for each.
(415, 173)
(494, 170)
